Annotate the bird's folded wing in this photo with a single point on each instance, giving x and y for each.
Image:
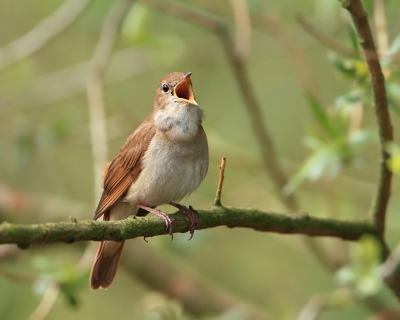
(125, 168)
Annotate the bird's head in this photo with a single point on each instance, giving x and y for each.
(175, 90)
(175, 110)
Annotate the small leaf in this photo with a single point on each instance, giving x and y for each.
(314, 166)
(352, 68)
(395, 46)
(321, 116)
(343, 65)
(393, 162)
(359, 139)
(363, 271)
(391, 53)
(351, 32)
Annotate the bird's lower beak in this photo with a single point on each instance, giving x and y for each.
(183, 90)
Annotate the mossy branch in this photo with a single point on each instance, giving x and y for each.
(133, 227)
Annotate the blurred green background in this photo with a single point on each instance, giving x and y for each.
(46, 171)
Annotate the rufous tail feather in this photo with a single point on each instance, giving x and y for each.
(105, 264)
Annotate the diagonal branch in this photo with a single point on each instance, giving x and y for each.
(361, 23)
(26, 235)
(40, 35)
(325, 39)
(295, 53)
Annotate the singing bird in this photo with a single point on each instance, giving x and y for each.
(162, 161)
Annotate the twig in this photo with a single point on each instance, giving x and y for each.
(299, 61)
(69, 232)
(313, 308)
(321, 302)
(46, 304)
(243, 28)
(16, 277)
(217, 201)
(324, 39)
(391, 264)
(360, 19)
(304, 75)
(40, 35)
(65, 83)
(100, 60)
(239, 69)
(382, 38)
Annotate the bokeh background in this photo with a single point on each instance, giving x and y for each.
(46, 163)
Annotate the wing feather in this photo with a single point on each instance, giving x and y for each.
(126, 167)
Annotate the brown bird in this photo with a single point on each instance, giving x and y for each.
(162, 161)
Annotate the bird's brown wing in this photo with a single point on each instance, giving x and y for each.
(125, 168)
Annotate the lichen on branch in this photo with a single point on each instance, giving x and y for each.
(133, 227)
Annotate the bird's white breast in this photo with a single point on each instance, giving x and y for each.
(174, 165)
(180, 121)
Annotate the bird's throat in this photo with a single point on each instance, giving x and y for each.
(179, 122)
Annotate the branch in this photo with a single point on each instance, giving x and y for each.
(243, 32)
(380, 27)
(46, 304)
(295, 53)
(69, 232)
(65, 83)
(381, 199)
(39, 36)
(324, 39)
(360, 20)
(101, 57)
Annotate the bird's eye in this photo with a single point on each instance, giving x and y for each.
(165, 88)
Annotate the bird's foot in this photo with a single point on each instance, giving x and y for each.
(192, 216)
(169, 222)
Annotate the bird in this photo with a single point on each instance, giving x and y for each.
(164, 160)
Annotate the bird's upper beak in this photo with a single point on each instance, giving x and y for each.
(183, 90)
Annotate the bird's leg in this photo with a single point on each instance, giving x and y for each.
(168, 220)
(193, 218)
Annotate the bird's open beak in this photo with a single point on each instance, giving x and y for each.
(183, 90)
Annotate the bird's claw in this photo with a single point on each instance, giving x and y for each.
(169, 222)
(192, 216)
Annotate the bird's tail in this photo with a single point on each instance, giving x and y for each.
(105, 264)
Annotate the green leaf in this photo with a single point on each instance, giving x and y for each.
(395, 46)
(392, 51)
(359, 139)
(393, 162)
(352, 68)
(321, 116)
(353, 37)
(342, 65)
(363, 271)
(314, 166)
